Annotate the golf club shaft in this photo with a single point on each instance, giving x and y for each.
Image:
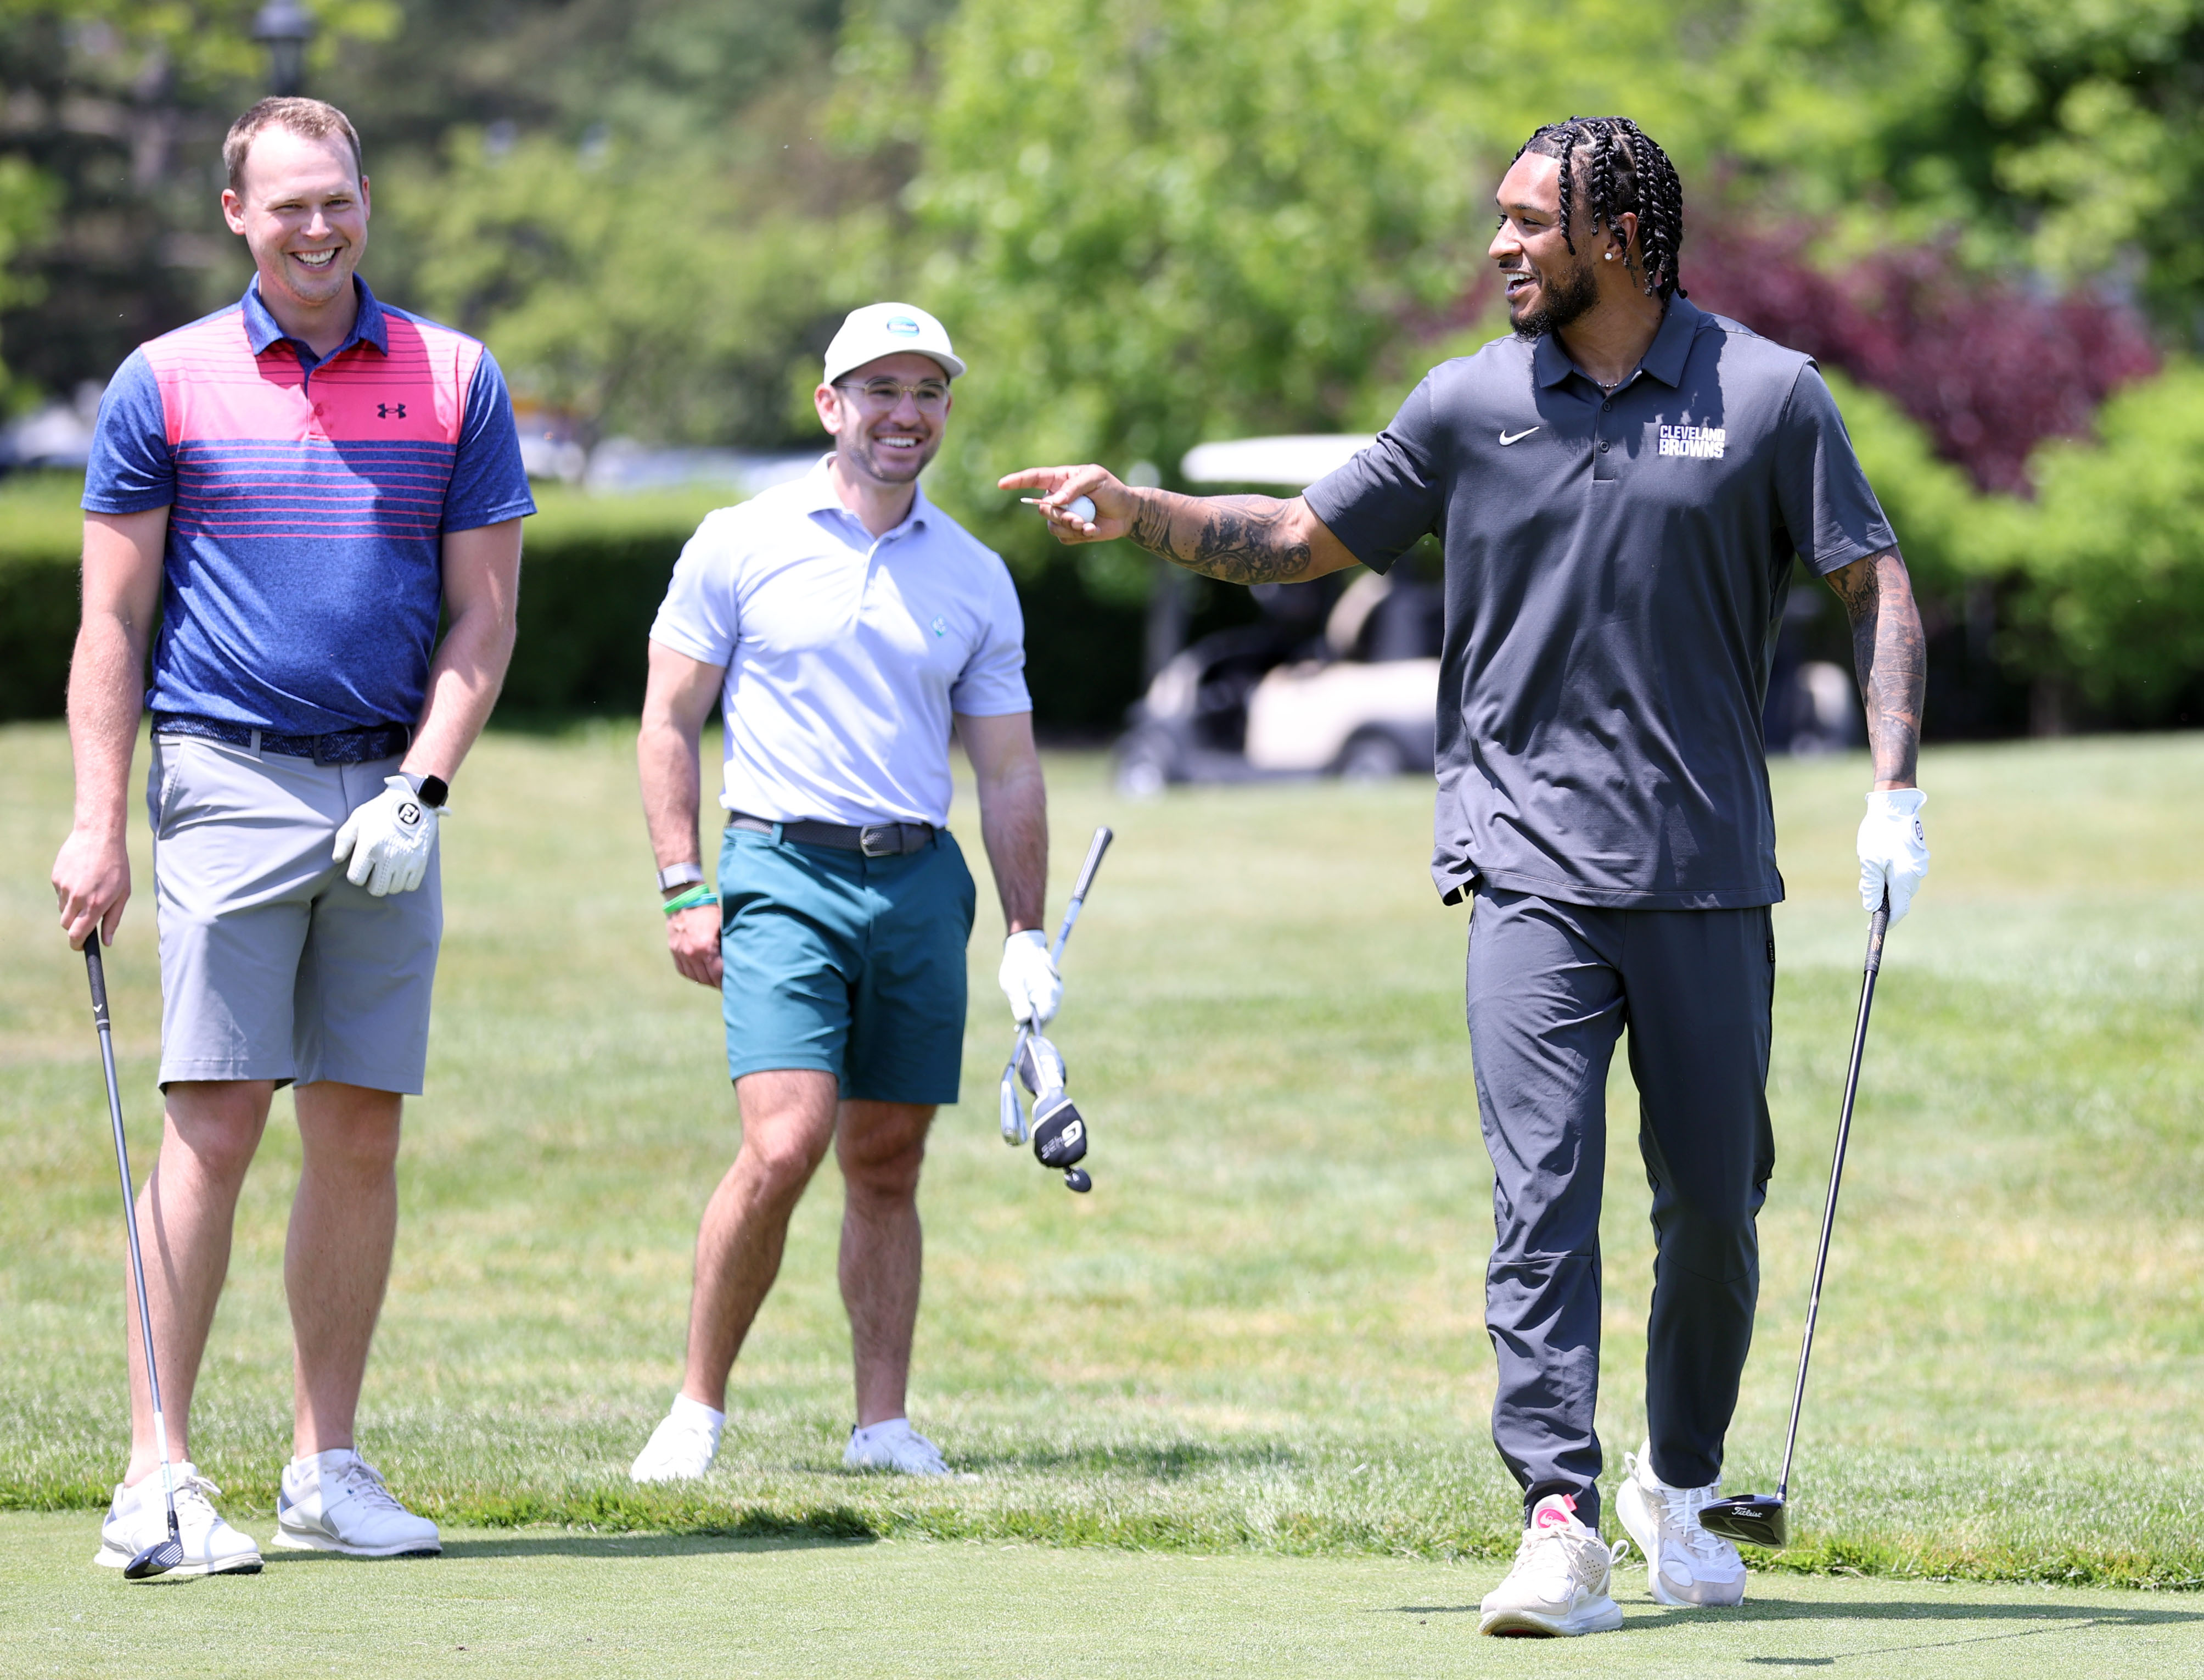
(1095, 848)
(98, 975)
(1876, 928)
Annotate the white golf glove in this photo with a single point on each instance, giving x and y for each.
(1893, 851)
(1030, 979)
(390, 839)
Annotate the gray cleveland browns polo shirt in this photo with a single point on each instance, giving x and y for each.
(1615, 572)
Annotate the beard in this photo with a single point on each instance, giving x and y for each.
(888, 466)
(1568, 298)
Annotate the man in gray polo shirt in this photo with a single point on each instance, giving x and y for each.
(1622, 488)
(844, 624)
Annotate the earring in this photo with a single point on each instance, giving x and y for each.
(1610, 256)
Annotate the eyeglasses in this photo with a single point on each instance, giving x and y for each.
(932, 396)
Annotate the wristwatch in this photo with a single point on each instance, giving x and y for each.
(678, 874)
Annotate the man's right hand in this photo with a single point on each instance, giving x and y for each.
(693, 936)
(91, 881)
(1059, 486)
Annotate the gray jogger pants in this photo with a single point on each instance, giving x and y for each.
(1551, 987)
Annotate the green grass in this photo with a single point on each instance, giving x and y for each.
(548, 1603)
(1261, 1333)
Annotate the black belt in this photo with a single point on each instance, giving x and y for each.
(340, 746)
(874, 839)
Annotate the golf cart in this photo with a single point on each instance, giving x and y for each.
(1330, 682)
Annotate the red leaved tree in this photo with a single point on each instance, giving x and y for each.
(1988, 369)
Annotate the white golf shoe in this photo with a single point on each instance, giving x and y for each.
(336, 1501)
(1559, 1585)
(139, 1517)
(893, 1444)
(1685, 1564)
(683, 1445)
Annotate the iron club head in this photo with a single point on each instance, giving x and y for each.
(1756, 1519)
(158, 1558)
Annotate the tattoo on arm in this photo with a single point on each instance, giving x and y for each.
(1890, 653)
(1241, 539)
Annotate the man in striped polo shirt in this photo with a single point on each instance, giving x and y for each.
(297, 485)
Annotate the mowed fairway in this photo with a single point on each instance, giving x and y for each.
(1261, 1334)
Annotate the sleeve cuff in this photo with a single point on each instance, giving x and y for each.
(499, 515)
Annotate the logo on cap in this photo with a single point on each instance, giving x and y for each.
(903, 324)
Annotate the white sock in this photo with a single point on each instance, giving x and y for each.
(696, 1410)
(886, 1429)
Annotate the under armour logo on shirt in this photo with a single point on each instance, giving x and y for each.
(383, 411)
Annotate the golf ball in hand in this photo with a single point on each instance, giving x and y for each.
(1082, 508)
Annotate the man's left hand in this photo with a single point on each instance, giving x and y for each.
(1893, 850)
(390, 839)
(1030, 979)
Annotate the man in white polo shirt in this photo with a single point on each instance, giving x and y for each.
(843, 624)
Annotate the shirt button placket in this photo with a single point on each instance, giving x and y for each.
(1603, 459)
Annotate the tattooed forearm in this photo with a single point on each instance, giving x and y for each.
(1241, 539)
(1890, 653)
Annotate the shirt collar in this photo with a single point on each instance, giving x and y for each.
(369, 326)
(1664, 357)
(819, 497)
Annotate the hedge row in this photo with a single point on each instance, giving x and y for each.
(595, 571)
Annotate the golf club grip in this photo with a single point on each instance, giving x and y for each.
(1095, 848)
(96, 971)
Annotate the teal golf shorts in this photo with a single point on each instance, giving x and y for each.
(851, 965)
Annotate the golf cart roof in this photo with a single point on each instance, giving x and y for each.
(1293, 463)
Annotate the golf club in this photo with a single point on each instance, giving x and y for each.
(163, 1555)
(1054, 1149)
(1759, 1519)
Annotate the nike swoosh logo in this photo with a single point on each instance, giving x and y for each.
(1506, 437)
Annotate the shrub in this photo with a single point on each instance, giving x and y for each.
(2111, 559)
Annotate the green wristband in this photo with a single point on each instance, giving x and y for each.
(700, 894)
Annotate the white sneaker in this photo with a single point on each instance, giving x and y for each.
(1560, 1580)
(893, 1444)
(139, 1517)
(1684, 1564)
(336, 1501)
(683, 1445)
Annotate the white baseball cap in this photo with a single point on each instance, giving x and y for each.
(888, 329)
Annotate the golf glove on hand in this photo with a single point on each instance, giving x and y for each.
(1893, 851)
(1030, 979)
(390, 839)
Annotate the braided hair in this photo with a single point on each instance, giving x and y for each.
(1625, 171)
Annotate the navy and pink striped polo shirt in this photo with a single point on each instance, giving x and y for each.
(308, 498)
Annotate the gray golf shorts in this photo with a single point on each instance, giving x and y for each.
(273, 965)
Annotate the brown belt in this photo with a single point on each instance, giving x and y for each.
(874, 840)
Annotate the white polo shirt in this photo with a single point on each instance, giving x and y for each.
(845, 653)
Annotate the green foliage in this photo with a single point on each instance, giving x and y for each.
(2111, 556)
(560, 260)
(650, 235)
(2060, 135)
(41, 531)
(1154, 225)
(1938, 515)
(593, 574)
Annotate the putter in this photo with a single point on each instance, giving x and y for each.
(163, 1555)
(1012, 1111)
(1759, 1519)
